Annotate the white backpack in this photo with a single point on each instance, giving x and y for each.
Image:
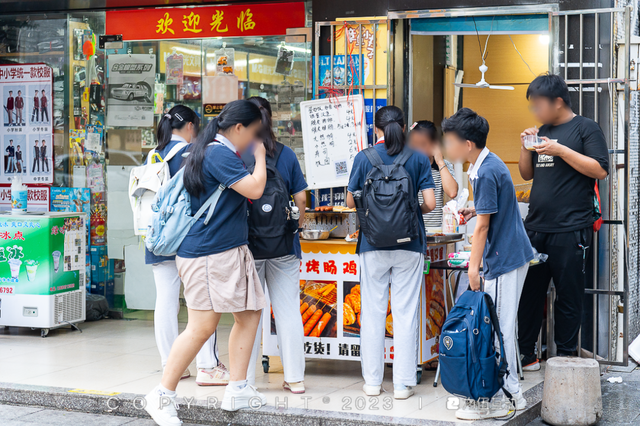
(144, 182)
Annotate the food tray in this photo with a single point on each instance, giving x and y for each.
(444, 238)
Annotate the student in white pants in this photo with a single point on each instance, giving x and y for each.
(280, 274)
(282, 278)
(405, 271)
(398, 268)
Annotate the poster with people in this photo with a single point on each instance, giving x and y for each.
(131, 83)
(25, 128)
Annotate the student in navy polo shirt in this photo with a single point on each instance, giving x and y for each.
(214, 262)
(499, 241)
(396, 271)
(176, 130)
(282, 274)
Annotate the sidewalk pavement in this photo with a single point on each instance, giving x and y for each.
(620, 401)
(15, 415)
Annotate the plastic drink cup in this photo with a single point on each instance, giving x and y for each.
(56, 260)
(14, 264)
(531, 142)
(32, 267)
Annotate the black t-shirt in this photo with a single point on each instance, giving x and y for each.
(561, 197)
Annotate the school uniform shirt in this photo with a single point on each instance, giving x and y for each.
(562, 197)
(228, 227)
(11, 150)
(507, 247)
(43, 102)
(10, 103)
(19, 102)
(175, 164)
(36, 102)
(433, 219)
(417, 167)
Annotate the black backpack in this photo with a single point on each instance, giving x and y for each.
(271, 228)
(388, 213)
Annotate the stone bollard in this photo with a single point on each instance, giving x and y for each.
(572, 395)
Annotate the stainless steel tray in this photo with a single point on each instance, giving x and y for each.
(446, 238)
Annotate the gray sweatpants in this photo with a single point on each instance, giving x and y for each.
(282, 277)
(505, 292)
(403, 271)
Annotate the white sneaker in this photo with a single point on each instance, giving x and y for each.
(186, 374)
(294, 387)
(521, 402)
(480, 410)
(162, 408)
(371, 390)
(403, 393)
(246, 397)
(218, 376)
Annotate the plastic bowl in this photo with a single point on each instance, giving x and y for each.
(532, 141)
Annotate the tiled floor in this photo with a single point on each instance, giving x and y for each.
(121, 356)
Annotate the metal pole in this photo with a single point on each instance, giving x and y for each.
(316, 78)
(627, 172)
(374, 28)
(566, 47)
(594, 332)
(581, 55)
(360, 61)
(596, 46)
(331, 41)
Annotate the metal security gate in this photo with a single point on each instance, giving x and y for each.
(588, 46)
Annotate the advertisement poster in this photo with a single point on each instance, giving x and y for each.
(42, 255)
(131, 83)
(330, 306)
(37, 198)
(76, 147)
(174, 70)
(25, 130)
(93, 143)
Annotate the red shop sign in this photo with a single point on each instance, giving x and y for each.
(207, 21)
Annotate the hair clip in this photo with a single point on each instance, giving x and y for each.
(413, 125)
(178, 116)
(168, 116)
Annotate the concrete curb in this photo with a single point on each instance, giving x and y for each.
(124, 404)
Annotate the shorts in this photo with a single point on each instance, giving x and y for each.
(222, 282)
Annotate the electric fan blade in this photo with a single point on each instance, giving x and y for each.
(502, 87)
(471, 86)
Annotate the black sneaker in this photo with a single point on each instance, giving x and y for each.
(530, 362)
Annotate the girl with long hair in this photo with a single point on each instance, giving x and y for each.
(176, 129)
(214, 261)
(395, 271)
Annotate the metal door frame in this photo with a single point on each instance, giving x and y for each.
(620, 84)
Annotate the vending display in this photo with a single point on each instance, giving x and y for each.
(42, 269)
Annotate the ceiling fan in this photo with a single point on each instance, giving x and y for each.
(482, 84)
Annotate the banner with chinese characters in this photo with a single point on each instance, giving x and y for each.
(246, 20)
(37, 198)
(330, 305)
(42, 255)
(26, 131)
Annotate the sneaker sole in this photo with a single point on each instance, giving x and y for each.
(531, 367)
(212, 383)
(480, 417)
(159, 421)
(402, 396)
(286, 387)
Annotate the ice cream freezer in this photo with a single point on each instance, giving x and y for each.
(42, 270)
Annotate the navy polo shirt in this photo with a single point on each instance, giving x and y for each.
(418, 167)
(507, 247)
(228, 227)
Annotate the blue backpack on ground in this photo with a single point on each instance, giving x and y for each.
(470, 364)
(172, 219)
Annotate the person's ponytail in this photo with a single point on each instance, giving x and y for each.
(390, 120)
(267, 135)
(177, 117)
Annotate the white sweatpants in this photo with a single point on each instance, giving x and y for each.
(282, 278)
(404, 271)
(505, 292)
(165, 320)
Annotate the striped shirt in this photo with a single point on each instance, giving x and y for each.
(433, 219)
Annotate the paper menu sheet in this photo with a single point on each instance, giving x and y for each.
(334, 131)
(74, 250)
